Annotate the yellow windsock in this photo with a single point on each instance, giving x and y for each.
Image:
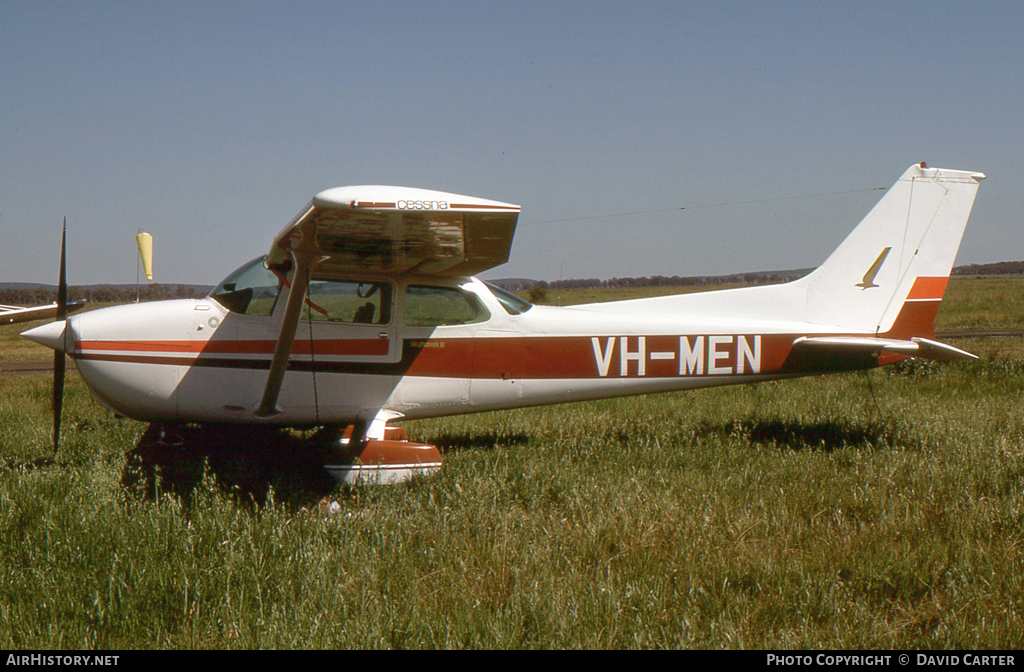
(145, 242)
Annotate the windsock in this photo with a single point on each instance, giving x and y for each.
(145, 242)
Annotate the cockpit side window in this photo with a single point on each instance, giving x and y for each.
(251, 290)
(512, 304)
(350, 301)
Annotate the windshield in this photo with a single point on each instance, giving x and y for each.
(252, 289)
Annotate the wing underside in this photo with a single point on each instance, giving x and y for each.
(15, 314)
(402, 230)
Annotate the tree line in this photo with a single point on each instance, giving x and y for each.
(998, 268)
(34, 296)
(759, 278)
(762, 278)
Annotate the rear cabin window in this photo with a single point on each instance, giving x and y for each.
(511, 303)
(427, 306)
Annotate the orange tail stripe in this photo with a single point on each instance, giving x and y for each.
(928, 288)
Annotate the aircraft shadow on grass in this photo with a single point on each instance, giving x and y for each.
(251, 461)
(827, 435)
(451, 443)
(248, 462)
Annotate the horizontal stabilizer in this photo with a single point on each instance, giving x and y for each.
(859, 345)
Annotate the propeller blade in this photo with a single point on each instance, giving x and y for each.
(58, 395)
(59, 362)
(62, 282)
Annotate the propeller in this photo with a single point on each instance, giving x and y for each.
(59, 361)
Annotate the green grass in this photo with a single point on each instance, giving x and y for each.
(15, 348)
(877, 510)
(982, 303)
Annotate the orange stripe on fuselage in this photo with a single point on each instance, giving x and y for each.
(140, 346)
(355, 346)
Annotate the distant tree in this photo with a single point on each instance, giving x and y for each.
(538, 293)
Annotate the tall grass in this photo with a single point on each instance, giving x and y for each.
(872, 510)
(983, 303)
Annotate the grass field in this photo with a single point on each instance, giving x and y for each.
(872, 510)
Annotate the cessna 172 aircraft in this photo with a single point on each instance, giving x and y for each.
(364, 311)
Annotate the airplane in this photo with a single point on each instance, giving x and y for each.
(366, 310)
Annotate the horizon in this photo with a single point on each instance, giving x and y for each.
(498, 281)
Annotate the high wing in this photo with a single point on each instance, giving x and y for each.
(400, 230)
(13, 314)
(380, 229)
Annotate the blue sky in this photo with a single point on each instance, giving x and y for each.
(211, 124)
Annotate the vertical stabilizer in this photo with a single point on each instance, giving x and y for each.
(900, 254)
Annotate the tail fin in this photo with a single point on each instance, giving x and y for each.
(890, 273)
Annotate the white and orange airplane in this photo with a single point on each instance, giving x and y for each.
(365, 311)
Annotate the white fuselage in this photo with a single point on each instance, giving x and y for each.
(196, 361)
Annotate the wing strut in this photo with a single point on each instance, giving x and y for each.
(306, 258)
